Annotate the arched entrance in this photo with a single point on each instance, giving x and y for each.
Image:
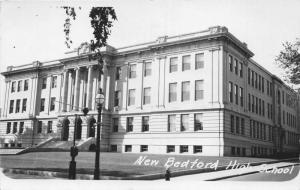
(91, 127)
(65, 129)
(78, 121)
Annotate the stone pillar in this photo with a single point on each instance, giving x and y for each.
(65, 91)
(69, 93)
(77, 89)
(89, 87)
(107, 91)
(6, 98)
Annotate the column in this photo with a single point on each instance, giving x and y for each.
(5, 99)
(69, 93)
(77, 89)
(103, 82)
(107, 91)
(89, 87)
(65, 91)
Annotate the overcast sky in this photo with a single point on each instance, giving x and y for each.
(34, 30)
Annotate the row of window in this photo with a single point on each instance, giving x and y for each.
(53, 82)
(169, 148)
(20, 86)
(238, 94)
(52, 104)
(237, 125)
(235, 66)
(18, 105)
(257, 150)
(238, 151)
(14, 129)
(184, 120)
(40, 127)
(257, 105)
(291, 101)
(258, 82)
(258, 130)
(292, 138)
(291, 120)
(12, 145)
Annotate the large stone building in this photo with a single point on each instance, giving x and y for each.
(198, 93)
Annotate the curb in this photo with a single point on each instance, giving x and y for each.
(140, 177)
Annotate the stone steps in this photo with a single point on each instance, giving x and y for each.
(10, 151)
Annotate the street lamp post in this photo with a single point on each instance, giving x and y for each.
(99, 101)
(74, 153)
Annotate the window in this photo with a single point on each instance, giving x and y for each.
(262, 84)
(184, 148)
(199, 61)
(259, 82)
(24, 104)
(18, 105)
(241, 70)
(21, 127)
(11, 106)
(13, 86)
(186, 62)
(232, 124)
(249, 102)
(52, 104)
(242, 126)
(256, 105)
(145, 123)
(129, 124)
(49, 127)
(184, 122)
(253, 103)
(230, 63)
(54, 82)
(118, 73)
(230, 92)
(147, 95)
(44, 83)
(8, 128)
(237, 126)
(39, 127)
(259, 106)
(242, 96)
(128, 148)
(256, 80)
(113, 148)
(15, 127)
(199, 90)
(197, 149)
(249, 76)
(236, 94)
(132, 71)
(268, 88)
(198, 121)
(173, 64)
(147, 69)
(244, 151)
(282, 97)
(252, 74)
(144, 148)
(115, 124)
(131, 97)
(232, 150)
(238, 151)
(236, 66)
(172, 92)
(42, 108)
(170, 148)
(171, 123)
(263, 107)
(185, 91)
(117, 98)
(19, 86)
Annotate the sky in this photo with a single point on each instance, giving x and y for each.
(33, 30)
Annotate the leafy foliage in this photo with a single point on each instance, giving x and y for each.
(289, 60)
(70, 12)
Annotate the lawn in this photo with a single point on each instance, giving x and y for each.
(111, 164)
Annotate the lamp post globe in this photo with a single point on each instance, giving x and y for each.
(100, 98)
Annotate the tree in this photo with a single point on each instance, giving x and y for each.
(289, 60)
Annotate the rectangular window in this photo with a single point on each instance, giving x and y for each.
(197, 149)
(170, 148)
(236, 94)
(44, 83)
(259, 82)
(241, 70)
(15, 127)
(39, 127)
(184, 148)
(54, 82)
(283, 117)
(113, 148)
(242, 96)
(8, 128)
(52, 104)
(199, 61)
(262, 84)
(232, 150)
(172, 92)
(242, 126)
(21, 127)
(26, 83)
(18, 105)
(249, 102)
(132, 71)
(199, 90)
(147, 95)
(249, 76)
(184, 122)
(232, 124)
(171, 123)
(230, 92)
(42, 108)
(131, 97)
(238, 151)
(147, 69)
(13, 86)
(129, 124)
(263, 108)
(118, 73)
(117, 98)
(173, 64)
(268, 88)
(237, 126)
(128, 148)
(259, 106)
(256, 80)
(256, 105)
(253, 99)
(236, 65)
(49, 127)
(252, 77)
(230, 63)
(198, 121)
(185, 91)
(19, 86)
(282, 97)
(24, 105)
(11, 106)
(145, 123)
(144, 148)
(115, 124)
(186, 62)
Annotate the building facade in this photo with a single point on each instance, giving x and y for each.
(198, 93)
